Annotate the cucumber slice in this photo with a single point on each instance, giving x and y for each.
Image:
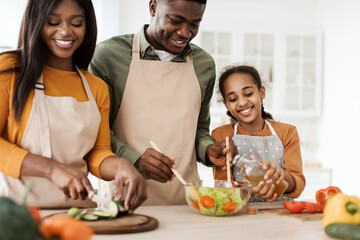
(102, 214)
(113, 209)
(120, 204)
(90, 217)
(81, 214)
(73, 211)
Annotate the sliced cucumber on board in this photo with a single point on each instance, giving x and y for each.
(115, 209)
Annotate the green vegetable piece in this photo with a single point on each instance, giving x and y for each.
(73, 211)
(343, 231)
(90, 217)
(103, 213)
(81, 214)
(207, 211)
(16, 222)
(352, 208)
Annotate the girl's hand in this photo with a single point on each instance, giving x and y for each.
(274, 172)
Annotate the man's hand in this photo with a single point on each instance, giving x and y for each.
(217, 151)
(155, 165)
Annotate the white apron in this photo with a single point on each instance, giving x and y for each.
(263, 147)
(161, 102)
(60, 128)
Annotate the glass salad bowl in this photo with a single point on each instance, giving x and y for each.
(214, 198)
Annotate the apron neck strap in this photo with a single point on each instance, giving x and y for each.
(39, 85)
(136, 46)
(269, 125)
(86, 84)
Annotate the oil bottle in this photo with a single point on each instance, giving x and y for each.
(253, 171)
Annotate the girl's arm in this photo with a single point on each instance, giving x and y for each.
(293, 163)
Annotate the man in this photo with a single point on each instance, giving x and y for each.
(161, 86)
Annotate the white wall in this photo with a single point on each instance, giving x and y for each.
(339, 144)
(10, 18)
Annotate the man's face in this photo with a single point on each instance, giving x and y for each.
(173, 24)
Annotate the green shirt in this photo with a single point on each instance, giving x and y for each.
(111, 62)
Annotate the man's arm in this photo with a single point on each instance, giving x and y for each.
(203, 139)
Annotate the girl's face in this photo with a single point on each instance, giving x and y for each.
(63, 33)
(244, 100)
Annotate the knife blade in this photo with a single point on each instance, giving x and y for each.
(100, 200)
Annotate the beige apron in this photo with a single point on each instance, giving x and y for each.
(161, 102)
(60, 128)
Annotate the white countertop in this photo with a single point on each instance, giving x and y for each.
(181, 222)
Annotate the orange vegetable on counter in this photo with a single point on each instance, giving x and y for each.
(67, 228)
(323, 195)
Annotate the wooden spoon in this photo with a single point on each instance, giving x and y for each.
(228, 162)
(177, 174)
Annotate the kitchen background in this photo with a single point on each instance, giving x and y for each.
(308, 53)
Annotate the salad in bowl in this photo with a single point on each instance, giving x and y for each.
(216, 197)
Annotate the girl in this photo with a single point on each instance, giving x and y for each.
(257, 136)
(54, 117)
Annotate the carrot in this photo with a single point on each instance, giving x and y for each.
(207, 201)
(67, 228)
(229, 207)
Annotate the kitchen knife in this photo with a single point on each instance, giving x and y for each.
(100, 200)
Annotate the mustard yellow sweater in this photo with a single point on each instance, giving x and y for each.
(292, 155)
(58, 83)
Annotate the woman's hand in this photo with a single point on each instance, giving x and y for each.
(274, 175)
(125, 176)
(73, 182)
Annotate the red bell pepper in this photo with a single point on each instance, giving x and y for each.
(294, 207)
(299, 206)
(323, 195)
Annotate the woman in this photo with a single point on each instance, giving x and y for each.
(54, 116)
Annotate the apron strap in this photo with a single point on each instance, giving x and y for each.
(136, 46)
(271, 128)
(86, 85)
(40, 102)
(269, 125)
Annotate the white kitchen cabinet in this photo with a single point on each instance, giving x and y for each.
(289, 64)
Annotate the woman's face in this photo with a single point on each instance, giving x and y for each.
(243, 99)
(63, 33)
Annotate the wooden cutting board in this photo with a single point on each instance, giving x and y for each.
(125, 224)
(303, 216)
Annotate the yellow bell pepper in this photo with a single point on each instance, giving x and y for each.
(342, 208)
